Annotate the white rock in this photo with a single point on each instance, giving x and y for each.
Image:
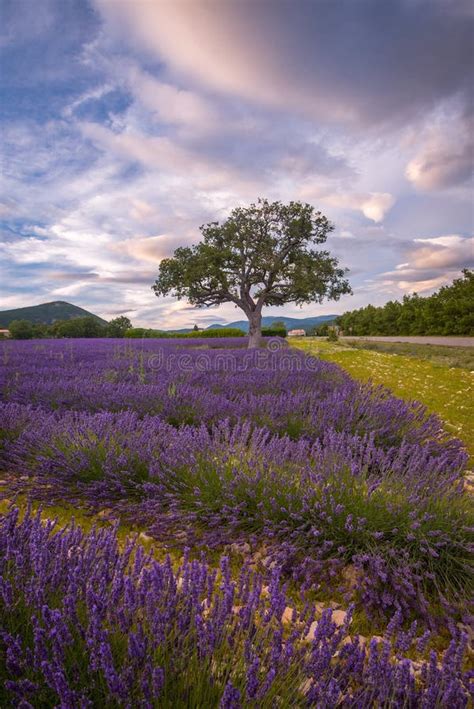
(287, 616)
(339, 617)
(312, 630)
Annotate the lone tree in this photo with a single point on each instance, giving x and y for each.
(261, 255)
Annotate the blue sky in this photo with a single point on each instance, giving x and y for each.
(125, 124)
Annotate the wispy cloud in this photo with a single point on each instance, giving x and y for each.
(127, 125)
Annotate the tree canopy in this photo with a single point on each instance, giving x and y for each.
(260, 255)
(117, 327)
(449, 311)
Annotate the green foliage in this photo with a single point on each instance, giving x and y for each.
(88, 326)
(218, 332)
(141, 332)
(332, 335)
(78, 327)
(21, 329)
(274, 331)
(322, 330)
(135, 332)
(449, 311)
(118, 326)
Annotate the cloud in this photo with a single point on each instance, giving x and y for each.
(206, 172)
(438, 261)
(151, 249)
(377, 205)
(450, 252)
(129, 127)
(169, 103)
(445, 160)
(335, 61)
(373, 205)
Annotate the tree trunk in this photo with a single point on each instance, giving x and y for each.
(255, 328)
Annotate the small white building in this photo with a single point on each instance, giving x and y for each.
(4, 333)
(296, 333)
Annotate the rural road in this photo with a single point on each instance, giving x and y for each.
(448, 341)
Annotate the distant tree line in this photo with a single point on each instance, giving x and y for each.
(74, 327)
(120, 327)
(276, 330)
(140, 332)
(449, 311)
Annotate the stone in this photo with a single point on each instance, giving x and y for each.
(287, 615)
(312, 630)
(306, 686)
(351, 576)
(339, 617)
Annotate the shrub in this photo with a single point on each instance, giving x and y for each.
(218, 332)
(21, 330)
(135, 332)
(140, 332)
(274, 331)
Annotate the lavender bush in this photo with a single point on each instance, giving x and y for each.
(83, 624)
(212, 446)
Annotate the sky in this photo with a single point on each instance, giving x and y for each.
(126, 124)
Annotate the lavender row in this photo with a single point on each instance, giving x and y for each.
(218, 444)
(282, 390)
(397, 515)
(83, 624)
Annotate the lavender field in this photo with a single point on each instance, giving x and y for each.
(312, 539)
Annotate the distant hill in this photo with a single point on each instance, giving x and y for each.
(290, 323)
(47, 313)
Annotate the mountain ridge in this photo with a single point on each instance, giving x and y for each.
(290, 323)
(47, 313)
(267, 320)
